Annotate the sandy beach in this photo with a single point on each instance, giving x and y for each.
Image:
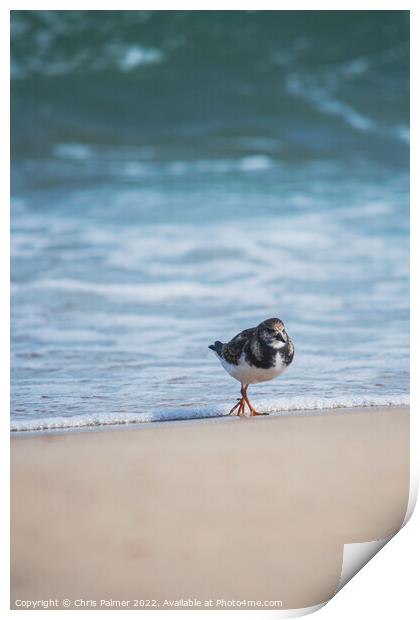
(228, 509)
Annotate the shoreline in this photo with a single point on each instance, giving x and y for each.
(233, 510)
(115, 426)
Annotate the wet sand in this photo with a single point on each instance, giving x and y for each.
(231, 509)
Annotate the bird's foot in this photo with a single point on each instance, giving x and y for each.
(240, 406)
(255, 412)
(246, 400)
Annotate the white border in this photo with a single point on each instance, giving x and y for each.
(5, 309)
(386, 586)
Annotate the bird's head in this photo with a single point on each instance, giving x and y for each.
(272, 333)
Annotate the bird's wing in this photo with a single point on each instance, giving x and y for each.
(232, 351)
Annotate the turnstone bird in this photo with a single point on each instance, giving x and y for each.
(257, 354)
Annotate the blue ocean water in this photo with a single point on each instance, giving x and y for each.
(180, 176)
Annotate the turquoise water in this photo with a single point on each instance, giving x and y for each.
(178, 177)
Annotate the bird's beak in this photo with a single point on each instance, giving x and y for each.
(281, 336)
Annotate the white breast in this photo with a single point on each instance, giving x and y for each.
(247, 374)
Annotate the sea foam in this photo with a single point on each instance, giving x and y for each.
(292, 406)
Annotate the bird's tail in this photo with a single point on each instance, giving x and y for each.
(217, 347)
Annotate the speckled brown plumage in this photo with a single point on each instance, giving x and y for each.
(254, 355)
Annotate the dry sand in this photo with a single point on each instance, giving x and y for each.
(233, 509)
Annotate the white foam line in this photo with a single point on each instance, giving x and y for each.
(298, 406)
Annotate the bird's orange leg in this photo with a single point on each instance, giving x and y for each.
(248, 402)
(240, 406)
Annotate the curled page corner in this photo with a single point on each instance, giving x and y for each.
(288, 613)
(413, 493)
(356, 556)
(304, 611)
